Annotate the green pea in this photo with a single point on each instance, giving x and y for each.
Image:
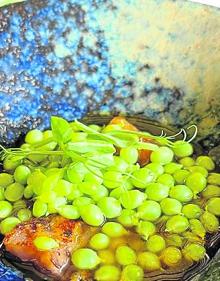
(74, 193)
(5, 209)
(69, 212)
(125, 255)
(209, 221)
(99, 241)
(196, 182)
(54, 206)
(132, 272)
(198, 169)
(172, 167)
(14, 192)
(166, 179)
(94, 178)
(28, 192)
(39, 208)
(197, 228)
(24, 214)
(6, 179)
(128, 218)
(20, 204)
(213, 206)
(194, 252)
(36, 181)
(149, 261)
(8, 224)
(174, 240)
(82, 201)
(34, 136)
(180, 176)
(177, 224)
(36, 158)
(107, 273)
(182, 148)
(92, 215)
(132, 199)
(44, 243)
(113, 229)
(112, 179)
(101, 193)
(145, 229)
(120, 165)
(171, 256)
(181, 193)
(156, 168)
(150, 210)
(110, 207)
(21, 174)
(2, 190)
(214, 178)
(85, 258)
(206, 162)
(191, 211)
(9, 164)
(155, 244)
(187, 161)
(76, 173)
(117, 192)
(211, 191)
(63, 188)
(129, 154)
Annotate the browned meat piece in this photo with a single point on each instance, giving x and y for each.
(70, 235)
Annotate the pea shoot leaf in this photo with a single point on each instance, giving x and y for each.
(90, 146)
(100, 160)
(61, 129)
(146, 145)
(8, 2)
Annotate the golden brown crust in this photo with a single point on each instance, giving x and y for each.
(70, 235)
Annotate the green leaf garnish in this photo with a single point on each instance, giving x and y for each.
(100, 160)
(120, 139)
(146, 145)
(95, 150)
(9, 2)
(90, 146)
(61, 129)
(160, 139)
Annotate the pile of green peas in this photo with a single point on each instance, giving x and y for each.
(170, 203)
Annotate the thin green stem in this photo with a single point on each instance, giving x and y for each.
(195, 133)
(43, 142)
(44, 152)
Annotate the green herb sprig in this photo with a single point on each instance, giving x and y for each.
(9, 2)
(96, 147)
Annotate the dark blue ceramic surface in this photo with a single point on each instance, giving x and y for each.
(158, 58)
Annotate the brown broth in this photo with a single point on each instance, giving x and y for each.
(134, 241)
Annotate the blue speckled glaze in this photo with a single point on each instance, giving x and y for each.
(9, 274)
(69, 57)
(52, 83)
(159, 58)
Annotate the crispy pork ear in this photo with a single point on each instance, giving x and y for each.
(70, 235)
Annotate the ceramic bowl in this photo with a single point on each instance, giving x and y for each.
(155, 58)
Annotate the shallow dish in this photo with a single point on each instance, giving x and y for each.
(28, 272)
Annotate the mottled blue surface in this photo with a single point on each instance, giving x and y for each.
(8, 274)
(61, 58)
(51, 83)
(71, 57)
